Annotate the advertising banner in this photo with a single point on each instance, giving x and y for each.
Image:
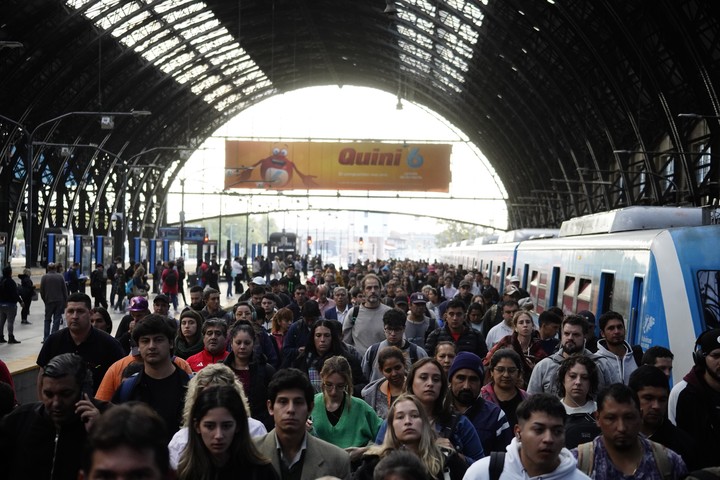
(337, 166)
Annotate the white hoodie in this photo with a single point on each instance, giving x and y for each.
(514, 470)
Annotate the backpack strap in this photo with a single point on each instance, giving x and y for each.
(373, 353)
(497, 463)
(126, 387)
(662, 460)
(355, 313)
(586, 457)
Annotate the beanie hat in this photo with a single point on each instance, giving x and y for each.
(709, 341)
(466, 360)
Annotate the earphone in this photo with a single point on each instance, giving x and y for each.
(698, 355)
(252, 309)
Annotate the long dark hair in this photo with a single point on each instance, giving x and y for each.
(336, 344)
(195, 462)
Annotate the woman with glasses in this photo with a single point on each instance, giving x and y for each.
(428, 382)
(338, 417)
(325, 342)
(410, 429)
(382, 392)
(525, 340)
(251, 369)
(505, 375)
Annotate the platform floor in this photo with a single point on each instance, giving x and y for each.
(20, 358)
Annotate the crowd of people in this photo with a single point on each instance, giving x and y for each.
(384, 370)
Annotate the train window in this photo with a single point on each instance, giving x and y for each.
(554, 281)
(524, 279)
(605, 292)
(709, 289)
(584, 295)
(568, 298)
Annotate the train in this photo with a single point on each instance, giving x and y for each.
(657, 266)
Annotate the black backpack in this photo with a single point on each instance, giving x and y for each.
(171, 278)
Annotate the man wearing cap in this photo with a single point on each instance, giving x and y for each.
(54, 294)
(161, 306)
(401, 301)
(280, 289)
(299, 332)
(466, 374)
(694, 404)
(253, 284)
(465, 292)
(591, 341)
(395, 327)
(293, 280)
(138, 309)
(515, 282)
(98, 349)
(418, 326)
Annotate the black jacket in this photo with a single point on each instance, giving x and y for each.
(470, 340)
(27, 444)
(260, 374)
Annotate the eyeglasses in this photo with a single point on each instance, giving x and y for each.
(504, 370)
(332, 386)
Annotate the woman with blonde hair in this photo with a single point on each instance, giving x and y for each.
(338, 417)
(212, 375)
(219, 443)
(410, 429)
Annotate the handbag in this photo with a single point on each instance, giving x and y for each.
(34, 297)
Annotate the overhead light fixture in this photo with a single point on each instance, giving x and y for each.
(10, 44)
(107, 122)
(64, 151)
(390, 8)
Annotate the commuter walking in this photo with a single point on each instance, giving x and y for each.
(9, 297)
(54, 293)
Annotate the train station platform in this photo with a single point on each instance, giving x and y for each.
(20, 358)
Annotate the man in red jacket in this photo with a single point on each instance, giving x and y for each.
(215, 341)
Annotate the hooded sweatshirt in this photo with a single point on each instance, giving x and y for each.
(513, 468)
(621, 367)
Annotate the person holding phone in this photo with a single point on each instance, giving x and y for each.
(46, 439)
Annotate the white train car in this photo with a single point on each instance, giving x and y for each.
(658, 267)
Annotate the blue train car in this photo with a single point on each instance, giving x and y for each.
(658, 267)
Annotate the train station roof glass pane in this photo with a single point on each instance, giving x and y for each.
(439, 39)
(185, 40)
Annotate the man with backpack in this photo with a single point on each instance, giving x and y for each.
(170, 280)
(620, 450)
(394, 328)
(537, 451)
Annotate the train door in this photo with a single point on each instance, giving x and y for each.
(633, 325)
(554, 281)
(605, 292)
(537, 291)
(524, 279)
(501, 279)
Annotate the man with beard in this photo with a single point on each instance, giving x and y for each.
(695, 401)
(465, 292)
(572, 341)
(489, 420)
(214, 349)
(46, 439)
(620, 451)
(613, 349)
(651, 386)
(196, 298)
(364, 326)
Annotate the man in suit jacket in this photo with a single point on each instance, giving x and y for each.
(295, 455)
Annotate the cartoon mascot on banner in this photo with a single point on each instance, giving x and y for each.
(276, 171)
